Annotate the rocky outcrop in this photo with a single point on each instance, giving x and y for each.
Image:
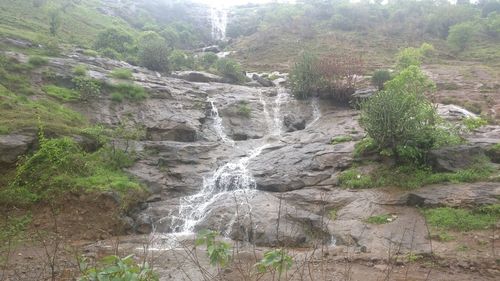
(292, 123)
(262, 81)
(13, 146)
(197, 76)
(455, 158)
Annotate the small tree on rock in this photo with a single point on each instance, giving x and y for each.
(153, 52)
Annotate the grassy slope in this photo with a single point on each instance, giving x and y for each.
(80, 23)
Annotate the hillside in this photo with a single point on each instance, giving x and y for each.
(178, 140)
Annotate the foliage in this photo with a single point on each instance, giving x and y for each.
(127, 91)
(472, 123)
(12, 229)
(341, 139)
(379, 77)
(366, 146)
(115, 39)
(87, 87)
(153, 51)
(352, 178)
(304, 79)
(208, 60)
(277, 260)
(55, 21)
(179, 60)
(110, 53)
(462, 219)
(244, 109)
(460, 35)
(230, 69)
(80, 70)
(218, 252)
(116, 268)
(401, 116)
(60, 166)
(38, 61)
(63, 94)
(379, 219)
(122, 73)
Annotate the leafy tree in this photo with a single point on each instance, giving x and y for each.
(230, 69)
(115, 39)
(460, 35)
(153, 51)
(401, 118)
(304, 79)
(208, 59)
(179, 60)
(55, 21)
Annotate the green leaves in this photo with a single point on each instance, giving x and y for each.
(218, 252)
(115, 268)
(277, 260)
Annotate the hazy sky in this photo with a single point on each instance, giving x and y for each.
(236, 2)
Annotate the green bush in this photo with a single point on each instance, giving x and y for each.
(179, 60)
(304, 78)
(128, 91)
(122, 73)
(379, 77)
(474, 123)
(63, 94)
(208, 60)
(218, 252)
(87, 87)
(110, 53)
(401, 116)
(460, 35)
(408, 57)
(230, 69)
(80, 70)
(116, 268)
(153, 52)
(38, 61)
(116, 97)
(114, 39)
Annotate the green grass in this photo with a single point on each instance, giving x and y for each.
(446, 218)
(63, 94)
(80, 70)
(411, 176)
(332, 214)
(474, 123)
(379, 219)
(244, 109)
(341, 139)
(60, 166)
(37, 61)
(122, 73)
(127, 91)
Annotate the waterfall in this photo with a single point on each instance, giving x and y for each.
(233, 177)
(218, 18)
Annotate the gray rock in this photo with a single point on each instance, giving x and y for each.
(13, 146)
(455, 158)
(362, 94)
(211, 49)
(197, 76)
(263, 81)
(172, 131)
(454, 112)
(293, 123)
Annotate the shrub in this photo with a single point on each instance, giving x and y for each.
(80, 70)
(275, 260)
(63, 94)
(474, 123)
(55, 21)
(379, 77)
(122, 73)
(400, 116)
(230, 69)
(460, 35)
(208, 60)
(304, 80)
(179, 60)
(218, 252)
(408, 57)
(115, 39)
(110, 53)
(153, 52)
(38, 61)
(87, 87)
(127, 91)
(116, 268)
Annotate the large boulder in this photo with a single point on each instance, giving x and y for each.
(455, 158)
(454, 112)
(14, 145)
(197, 76)
(293, 123)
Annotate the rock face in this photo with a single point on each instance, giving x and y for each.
(197, 76)
(263, 81)
(292, 123)
(13, 146)
(452, 159)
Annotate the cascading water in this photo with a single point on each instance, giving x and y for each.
(218, 18)
(233, 177)
(316, 110)
(219, 128)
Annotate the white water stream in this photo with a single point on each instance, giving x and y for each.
(218, 18)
